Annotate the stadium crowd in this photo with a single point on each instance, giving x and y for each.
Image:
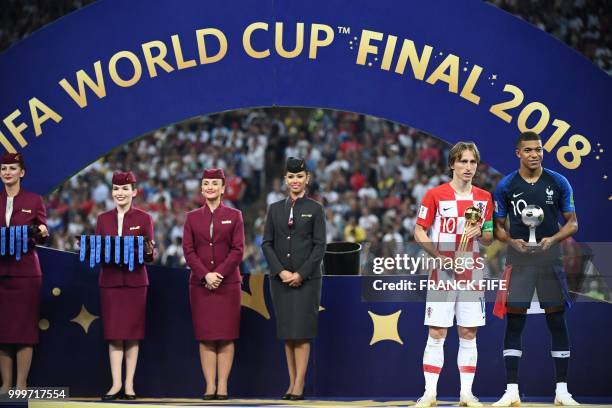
(370, 173)
(582, 24)
(168, 164)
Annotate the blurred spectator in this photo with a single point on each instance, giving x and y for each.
(372, 193)
(168, 164)
(353, 232)
(594, 291)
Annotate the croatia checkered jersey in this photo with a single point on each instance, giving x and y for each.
(442, 212)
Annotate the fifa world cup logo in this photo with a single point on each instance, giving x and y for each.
(472, 217)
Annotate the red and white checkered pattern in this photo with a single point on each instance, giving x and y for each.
(442, 212)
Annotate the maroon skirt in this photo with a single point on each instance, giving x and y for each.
(124, 312)
(215, 313)
(19, 309)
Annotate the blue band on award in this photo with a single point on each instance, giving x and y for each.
(12, 240)
(92, 251)
(3, 241)
(126, 248)
(83, 247)
(117, 249)
(140, 249)
(24, 232)
(131, 252)
(18, 242)
(107, 247)
(98, 247)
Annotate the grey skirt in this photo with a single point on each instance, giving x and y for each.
(296, 309)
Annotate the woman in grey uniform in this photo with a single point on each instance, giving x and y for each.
(294, 244)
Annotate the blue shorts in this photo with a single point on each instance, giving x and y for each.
(524, 279)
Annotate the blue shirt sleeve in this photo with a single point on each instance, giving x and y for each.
(499, 199)
(566, 201)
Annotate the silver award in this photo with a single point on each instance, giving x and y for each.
(532, 216)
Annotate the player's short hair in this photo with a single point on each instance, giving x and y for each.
(457, 150)
(526, 136)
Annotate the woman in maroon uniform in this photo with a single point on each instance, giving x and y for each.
(20, 281)
(213, 243)
(123, 293)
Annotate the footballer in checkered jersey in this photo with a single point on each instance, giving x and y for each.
(442, 230)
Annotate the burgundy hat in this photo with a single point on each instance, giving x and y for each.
(121, 178)
(213, 174)
(13, 158)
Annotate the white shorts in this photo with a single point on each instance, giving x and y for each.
(443, 306)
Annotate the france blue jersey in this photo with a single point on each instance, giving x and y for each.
(552, 192)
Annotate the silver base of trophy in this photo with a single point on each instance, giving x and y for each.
(532, 243)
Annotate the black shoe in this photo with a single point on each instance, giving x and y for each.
(129, 397)
(111, 397)
(294, 397)
(286, 397)
(222, 397)
(209, 397)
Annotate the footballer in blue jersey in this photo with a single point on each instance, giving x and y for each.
(529, 268)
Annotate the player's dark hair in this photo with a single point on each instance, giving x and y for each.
(457, 150)
(527, 136)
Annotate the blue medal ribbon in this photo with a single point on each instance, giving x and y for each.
(18, 242)
(3, 241)
(98, 248)
(92, 251)
(25, 239)
(140, 249)
(12, 240)
(83, 248)
(126, 248)
(131, 252)
(117, 249)
(107, 248)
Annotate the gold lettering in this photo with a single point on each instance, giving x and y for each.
(364, 45)
(315, 42)
(48, 113)
(204, 58)
(158, 59)
(389, 50)
(7, 145)
(419, 65)
(299, 41)
(246, 40)
(83, 79)
(450, 63)
(466, 92)
(112, 68)
(178, 54)
(16, 129)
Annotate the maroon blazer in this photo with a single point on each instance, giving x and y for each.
(28, 208)
(223, 253)
(135, 222)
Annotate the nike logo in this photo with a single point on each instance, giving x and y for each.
(446, 209)
(516, 195)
